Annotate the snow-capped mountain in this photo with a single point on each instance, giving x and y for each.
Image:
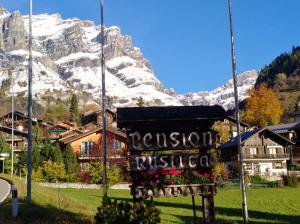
(223, 95)
(66, 59)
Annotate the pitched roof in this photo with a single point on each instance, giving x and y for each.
(246, 135)
(97, 112)
(16, 132)
(283, 128)
(74, 138)
(243, 124)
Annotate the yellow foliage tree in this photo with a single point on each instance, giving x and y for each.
(262, 108)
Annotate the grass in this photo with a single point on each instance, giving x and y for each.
(266, 205)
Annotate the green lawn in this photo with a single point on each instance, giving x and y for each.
(269, 205)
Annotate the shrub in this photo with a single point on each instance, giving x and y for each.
(96, 173)
(290, 180)
(256, 179)
(114, 212)
(50, 172)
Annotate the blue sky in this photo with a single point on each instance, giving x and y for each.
(187, 42)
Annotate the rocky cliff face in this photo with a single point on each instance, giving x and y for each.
(66, 59)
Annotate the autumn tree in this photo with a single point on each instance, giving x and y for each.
(262, 108)
(223, 130)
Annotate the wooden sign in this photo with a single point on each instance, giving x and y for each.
(170, 140)
(150, 130)
(169, 162)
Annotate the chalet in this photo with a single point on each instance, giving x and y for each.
(88, 146)
(95, 117)
(265, 153)
(20, 138)
(290, 131)
(56, 131)
(21, 122)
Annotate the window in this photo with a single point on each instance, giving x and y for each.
(117, 144)
(86, 147)
(272, 151)
(248, 166)
(278, 165)
(253, 151)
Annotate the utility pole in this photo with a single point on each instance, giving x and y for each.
(12, 123)
(29, 151)
(237, 116)
(103, 102)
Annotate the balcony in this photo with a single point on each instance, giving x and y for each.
(266, 156)
(88, 156)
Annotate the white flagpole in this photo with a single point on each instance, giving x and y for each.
(237, 116)
(29, 159)
(103, 102)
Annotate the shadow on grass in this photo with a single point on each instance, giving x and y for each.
(38, 214)
(231, 213)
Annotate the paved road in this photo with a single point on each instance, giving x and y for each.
(4, 190)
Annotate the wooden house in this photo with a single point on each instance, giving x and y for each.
(95, 117)
(265, 153)
(88, 146)
(21, 123)
(20, 138)
(290, 131)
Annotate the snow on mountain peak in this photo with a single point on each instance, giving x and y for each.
(223, 95)
(66, 54)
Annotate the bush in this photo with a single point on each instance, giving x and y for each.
(256, 179)
(50, 172)
(290, 180)
(96, 174)
(114, 212)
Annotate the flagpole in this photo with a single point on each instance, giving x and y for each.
(103, 103)
(237, 116)
(29, 151)
(12, 124)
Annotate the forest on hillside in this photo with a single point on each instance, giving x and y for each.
(283, 76)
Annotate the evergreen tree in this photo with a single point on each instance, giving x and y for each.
(5, 148)
(56, 155)
(74, 110)
(45, 152)
(36, 147)
(70, 160)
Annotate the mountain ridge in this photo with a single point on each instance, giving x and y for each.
(66, 56)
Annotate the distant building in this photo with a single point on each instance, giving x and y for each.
(21, 123)
(88, 146)
(95, 117)
(265, 153)
(290, 131)
(20, 138)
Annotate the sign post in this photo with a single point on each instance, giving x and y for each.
(2, 157)
(169, 152)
